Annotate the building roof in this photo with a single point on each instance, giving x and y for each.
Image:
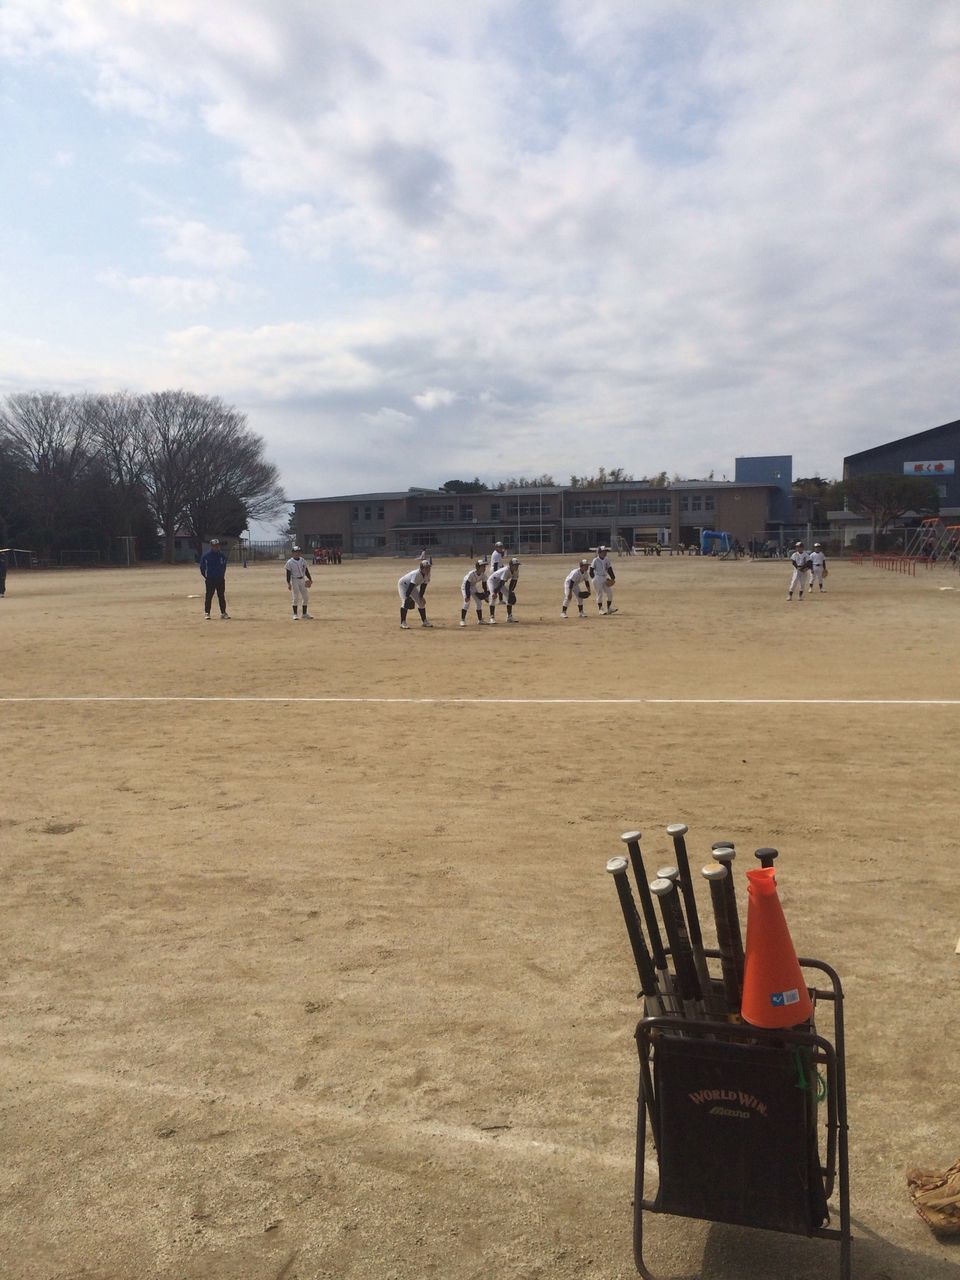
(379, 497)
(919, 437)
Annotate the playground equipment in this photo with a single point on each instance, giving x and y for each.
(932, 540)
(715, 543)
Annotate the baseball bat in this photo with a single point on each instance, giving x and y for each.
(715, 875)
(668, 873)
(632, 840)
(666, 893)
(617, 867)
(725, 854)
(676, 831)
(767, 857)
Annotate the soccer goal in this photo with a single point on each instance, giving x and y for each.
(20, 558)
(74, 559)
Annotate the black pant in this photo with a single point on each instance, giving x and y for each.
(3, 579)
(215, 585)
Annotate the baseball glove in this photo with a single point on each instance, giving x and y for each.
(584, 595)
(936, 1197)
(826, 572)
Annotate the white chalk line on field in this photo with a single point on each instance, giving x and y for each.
(493, 702)
(495, 1137)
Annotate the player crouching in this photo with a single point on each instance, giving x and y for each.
(577, 580)
(411, 588)
(503, 579)
(298, 583)
(474, 587)
(513, 575)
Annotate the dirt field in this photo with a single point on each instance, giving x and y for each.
(340, 989)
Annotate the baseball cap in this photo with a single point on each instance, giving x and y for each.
(296, 548)
(214, 542)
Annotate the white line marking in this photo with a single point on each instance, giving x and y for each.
(496, 702)
(400, 1128)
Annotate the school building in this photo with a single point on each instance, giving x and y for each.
(556, 519)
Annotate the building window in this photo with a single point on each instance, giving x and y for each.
(380, 511)
(685, 503)
(696, 502)
(646, 506)
(355, 514)
(437, 511)
(369, 542)
(592, 507)
(709, 503)
(494, 510)
(466, 510)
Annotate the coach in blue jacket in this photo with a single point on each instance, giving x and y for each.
(213, 567)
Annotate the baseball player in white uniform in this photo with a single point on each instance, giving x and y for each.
(298, 583)
(801, 570)
(513, 573)
(601, 571)
(474, 587)
(496, 561)
(498, 581)
(818, 567)
(411, 588)
(577, 580)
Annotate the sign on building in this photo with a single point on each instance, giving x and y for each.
(944, 467)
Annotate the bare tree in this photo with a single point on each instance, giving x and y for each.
(48, 436)
(173, 425)
(230, 482)
(116, 430)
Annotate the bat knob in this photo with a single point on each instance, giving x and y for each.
(767, 857)
(661, 887)
(719, 871)
(724, 854)
(677, 829)
(629, 836)
(668, 873)
(722, 844)
(616, 865)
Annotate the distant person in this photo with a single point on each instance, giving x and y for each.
(801, 568)
(411, 588)
(474, 587)
(299, 583)
(213, 570)
(818, 567)
(3, 575)
(513, 576)
(577, 580)
(497, 581)
(601, 571)
(496, 561)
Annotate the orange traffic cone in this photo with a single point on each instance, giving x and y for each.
(774, 992)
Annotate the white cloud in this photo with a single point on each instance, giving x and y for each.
(435, 398)
(192, 242)
(385, 417)
(684, 231)
(173, 293)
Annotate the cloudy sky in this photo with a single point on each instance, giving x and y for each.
(416, 241)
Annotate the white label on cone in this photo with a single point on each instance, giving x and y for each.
(785, 997)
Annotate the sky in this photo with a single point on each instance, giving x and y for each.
(415, 241)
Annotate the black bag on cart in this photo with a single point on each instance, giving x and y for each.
(736, 1129)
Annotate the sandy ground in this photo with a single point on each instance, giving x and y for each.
(341, 989)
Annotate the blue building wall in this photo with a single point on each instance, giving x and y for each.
(776, 470)
(933, 454)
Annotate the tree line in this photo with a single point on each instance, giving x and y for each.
(79, 472)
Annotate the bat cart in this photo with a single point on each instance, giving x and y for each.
(749, 1125)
